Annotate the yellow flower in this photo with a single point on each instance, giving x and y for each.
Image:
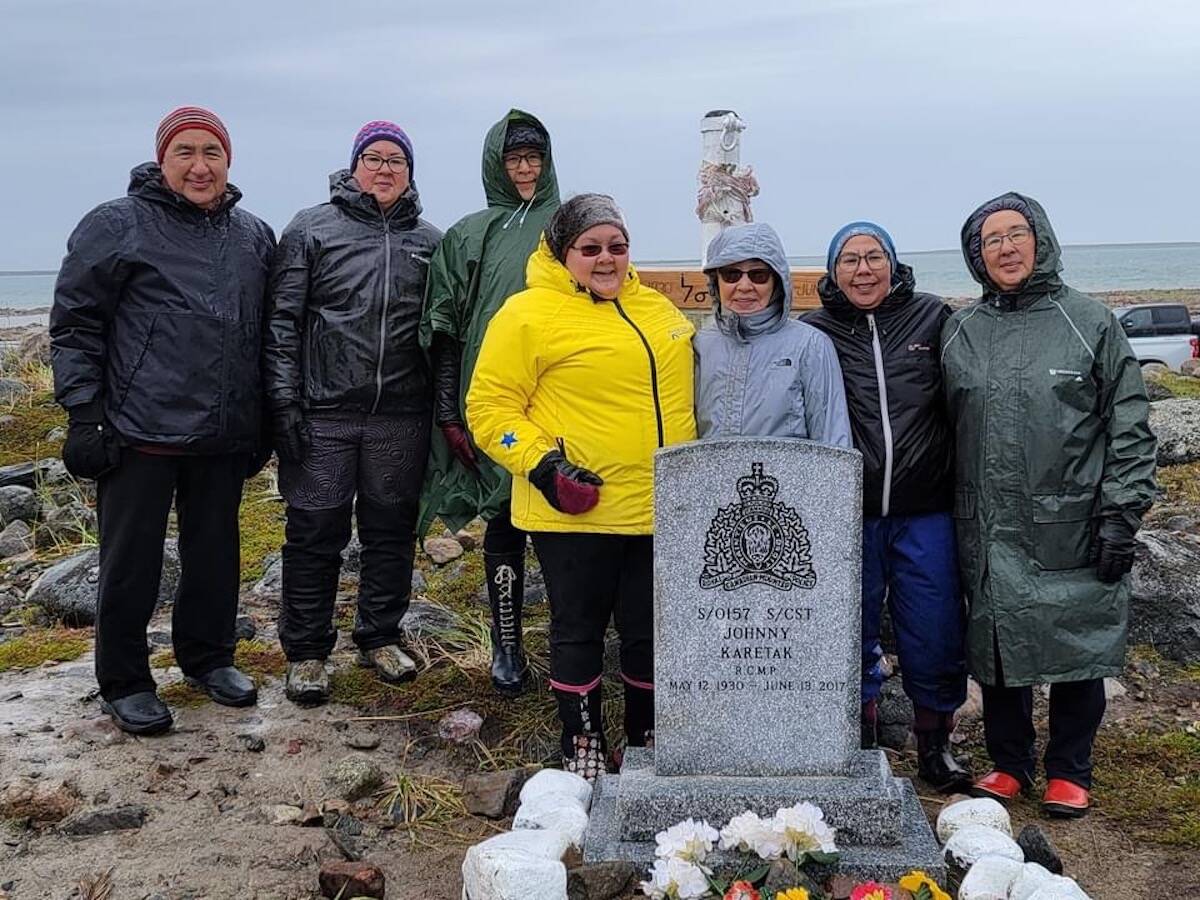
(796, 893)
(916, 879)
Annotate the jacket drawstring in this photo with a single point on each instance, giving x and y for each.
(523, 209)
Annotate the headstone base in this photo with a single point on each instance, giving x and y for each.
(640, 803)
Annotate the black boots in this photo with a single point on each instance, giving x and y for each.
(935, 763)
(505, 574)
(639, 716)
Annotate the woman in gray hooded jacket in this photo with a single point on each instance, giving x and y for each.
(759, 372)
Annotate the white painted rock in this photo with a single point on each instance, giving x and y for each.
(519, 865)
(1033, 876)
(990, 879)
(977, 811)
(1059, 888)
(971, 843)
(556, 781)
(553, 811)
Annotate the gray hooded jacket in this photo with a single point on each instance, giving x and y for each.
(765, 374)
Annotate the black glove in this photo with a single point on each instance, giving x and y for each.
(91, 448)
(567, 487)
(1114, 548)
(446, 356)
(291, 436)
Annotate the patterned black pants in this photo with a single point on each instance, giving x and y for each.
(371, 466)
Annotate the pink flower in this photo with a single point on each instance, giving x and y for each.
(741, 890)
(871, 891)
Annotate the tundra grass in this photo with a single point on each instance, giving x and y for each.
(41, 645)
(1149, 781)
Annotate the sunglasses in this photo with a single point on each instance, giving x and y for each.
(732, 275)
(591, 250)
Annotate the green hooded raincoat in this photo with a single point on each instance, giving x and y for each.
(478, 265)
(1050, 414)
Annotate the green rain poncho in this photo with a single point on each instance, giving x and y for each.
(478, 265)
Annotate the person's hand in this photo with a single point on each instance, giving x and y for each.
(460, 445)
(290, 432)
(90, 450)
(1114, 549)
(567, 487)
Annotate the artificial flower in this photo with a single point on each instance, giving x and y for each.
(675, 879)
(803, 830)
(916, 879)
(871, 891)
(743, 832)
(742, 890)
(796, 893)
(689, 841)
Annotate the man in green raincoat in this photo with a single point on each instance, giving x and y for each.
(478, 265)
(1054, 470)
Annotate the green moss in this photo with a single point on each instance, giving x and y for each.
(261, 520)
(1150, 782)
(182, 694)
(163, 659)
(260, 660)
(39, 645)
(434, 689)
(1180, 385)
(24, 438)
(1181, 483)
(456, 584)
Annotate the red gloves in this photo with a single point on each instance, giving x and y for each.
(567, 487)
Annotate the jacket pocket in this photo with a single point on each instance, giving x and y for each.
(1061, 532)
(966, 531)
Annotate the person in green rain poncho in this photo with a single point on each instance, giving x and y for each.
(478, 265)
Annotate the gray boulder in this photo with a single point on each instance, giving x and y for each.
(1165, 607)
(425, 619)
(30, 474)
(70, 522)
(1176, 424)
(67, 590)
(895, 715)
(18, 502)
(15, 539)
(12, 389)
(33, 349)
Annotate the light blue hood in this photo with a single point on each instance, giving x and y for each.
(738, 243)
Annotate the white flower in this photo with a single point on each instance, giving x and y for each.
(675, 879)
(802, 829)
(689, 841)
(743, 832)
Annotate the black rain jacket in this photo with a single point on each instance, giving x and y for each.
(158, 314)
(890, 360)
(347, 287)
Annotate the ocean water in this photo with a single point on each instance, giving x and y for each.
(1088, 267)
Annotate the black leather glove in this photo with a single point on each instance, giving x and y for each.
(91, 448)
(446, 356)
(1114, 548)
(567, 487)
(289, 429)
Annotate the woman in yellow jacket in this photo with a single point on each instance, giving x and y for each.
(580, 378)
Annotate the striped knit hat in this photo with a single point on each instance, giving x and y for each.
(186, 117)
(380, 130)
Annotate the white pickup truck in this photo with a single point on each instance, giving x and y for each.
(1159, 333)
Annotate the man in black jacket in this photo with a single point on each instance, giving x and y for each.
(350, 395)
(887, 338)
(155, 342)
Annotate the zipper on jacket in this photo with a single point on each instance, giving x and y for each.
(658, 419)
(885, 417)
(387, 297)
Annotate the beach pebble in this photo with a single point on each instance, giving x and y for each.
(560, 783)
(990, 879)
(971, 843)
(976, 811)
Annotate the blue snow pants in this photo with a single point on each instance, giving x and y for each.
(911, 562)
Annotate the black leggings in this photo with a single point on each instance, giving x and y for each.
(501, 535)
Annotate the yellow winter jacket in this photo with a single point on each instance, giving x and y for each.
(611, 380)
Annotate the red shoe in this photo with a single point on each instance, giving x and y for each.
(997, 785)
(1065, 799)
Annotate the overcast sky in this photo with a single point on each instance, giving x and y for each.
(909, 112)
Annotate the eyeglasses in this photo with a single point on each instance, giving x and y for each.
(1017, 236)
(532, 158)
(592, 250)
(876, 260)
(732, 275)
(374, 163)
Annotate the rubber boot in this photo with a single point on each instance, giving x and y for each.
(505, 574)
(869, 724)
(583, 745)
(935, 763)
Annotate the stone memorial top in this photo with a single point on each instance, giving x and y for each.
(757, 574)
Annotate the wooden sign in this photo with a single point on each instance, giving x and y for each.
(688, 288)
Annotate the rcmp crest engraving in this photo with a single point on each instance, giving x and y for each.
(758, 540)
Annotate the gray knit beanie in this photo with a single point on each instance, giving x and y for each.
(577, 215)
